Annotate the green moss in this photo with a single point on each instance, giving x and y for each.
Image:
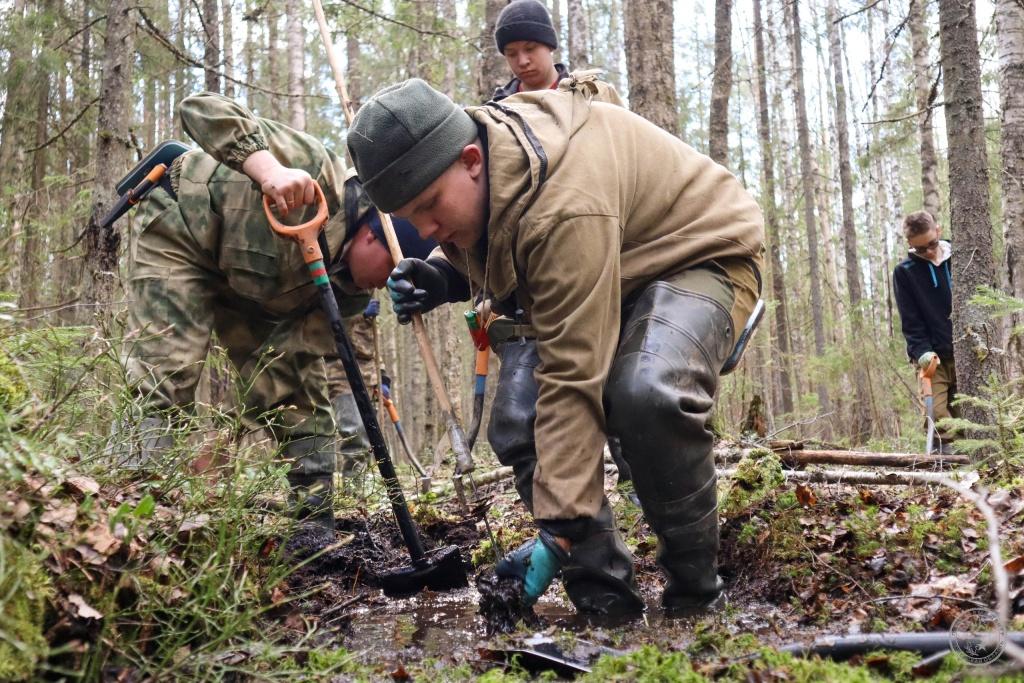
(646, 665)
(757, 478)
(24, 587)
(13, 389)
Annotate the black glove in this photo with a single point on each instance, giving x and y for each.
(416, 286)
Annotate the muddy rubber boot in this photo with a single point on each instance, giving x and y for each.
(514, 412)
(312, 493)
(354, 445)
(599, 576)
(146, 447)
(624, 484)
(659, 394)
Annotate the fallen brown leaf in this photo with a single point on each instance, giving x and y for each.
(60, 515)
(82, 608)
(102, 541)
(1016, 565)
(805, 495)
(400, 674)
(83, 486)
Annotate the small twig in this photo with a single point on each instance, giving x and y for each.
(911, 115)
(801, 423)
(342, 605)
(863, 9)
(66, 128)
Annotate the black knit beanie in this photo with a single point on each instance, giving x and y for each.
(525, 20)
(404, 138)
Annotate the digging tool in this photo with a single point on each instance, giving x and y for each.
(389, 405)
(926, 375)
(483, 353)
(442, 569)
(146, 175)
(463, 458)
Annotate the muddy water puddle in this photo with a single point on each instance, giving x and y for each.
(446, 626)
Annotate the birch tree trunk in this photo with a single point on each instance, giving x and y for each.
(784, 377)
(18, 93)
(112, 154)
(493, 69)
(973, 333)
(649, 62)
(721, 86)
(924, 97)
(296, 64)
(228, 48)
(211, 45)
(579, 37)
(860, 428)
(1010, 41)
(807, 184)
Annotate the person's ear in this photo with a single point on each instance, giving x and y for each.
(472, 158)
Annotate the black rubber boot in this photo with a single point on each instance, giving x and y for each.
(599, 576)
(311, 498)
(659, 396)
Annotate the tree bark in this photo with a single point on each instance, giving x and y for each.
(112, 155)
(493, 69)
(861, 423)
(807, 184)
(1010, 42)
(924, 97)
(783, 373)
(17, 102)
(296, 65)
(249, 54)
(228, 32)
(28, 291)
(721, 85)
(353, 72)
(579, 37)
(649, 62)
(273, 63)
(973, 333)
(211, 45)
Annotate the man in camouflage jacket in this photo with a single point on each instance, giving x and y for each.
(206, 262)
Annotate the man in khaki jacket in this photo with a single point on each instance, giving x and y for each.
(634, 259)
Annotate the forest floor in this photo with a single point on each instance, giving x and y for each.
(143, 581)
(113, 575)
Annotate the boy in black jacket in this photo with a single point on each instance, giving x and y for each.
(923, 284)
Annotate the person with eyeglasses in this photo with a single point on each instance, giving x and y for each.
(923, 285)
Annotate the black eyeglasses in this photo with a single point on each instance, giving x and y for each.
(928, 247)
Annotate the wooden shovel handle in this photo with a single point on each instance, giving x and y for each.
(305, 234)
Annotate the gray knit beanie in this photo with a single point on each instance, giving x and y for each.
(404, 138)
(524, 20)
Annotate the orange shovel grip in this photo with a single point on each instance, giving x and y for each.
(306, 233)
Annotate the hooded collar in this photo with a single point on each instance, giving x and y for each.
(942, 254)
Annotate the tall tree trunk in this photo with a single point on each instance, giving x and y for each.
(579, 37)
(296, 65)
(649, 62)
(211, 45)
(556, 20)
(272, 78)
(1010, 37)
(353, 71)
(18, 100)
(968, 199)
(861, 427)
(721, 85)
(493, 69)
(249, 53)
(807, 184)
(181, 72)
(450, 15)
(112, 154)
(228, 31)
(28, 291)
(924, 97)
(783, 373)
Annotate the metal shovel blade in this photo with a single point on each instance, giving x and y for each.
(439, 570)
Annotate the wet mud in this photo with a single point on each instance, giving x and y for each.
(501, 603)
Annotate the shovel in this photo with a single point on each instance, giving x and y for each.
(926, 375)
(442, 569)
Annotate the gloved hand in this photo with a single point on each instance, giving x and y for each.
(416, 286)
(926, 359)
(536, 562)
(385, 385)
(372, 309)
